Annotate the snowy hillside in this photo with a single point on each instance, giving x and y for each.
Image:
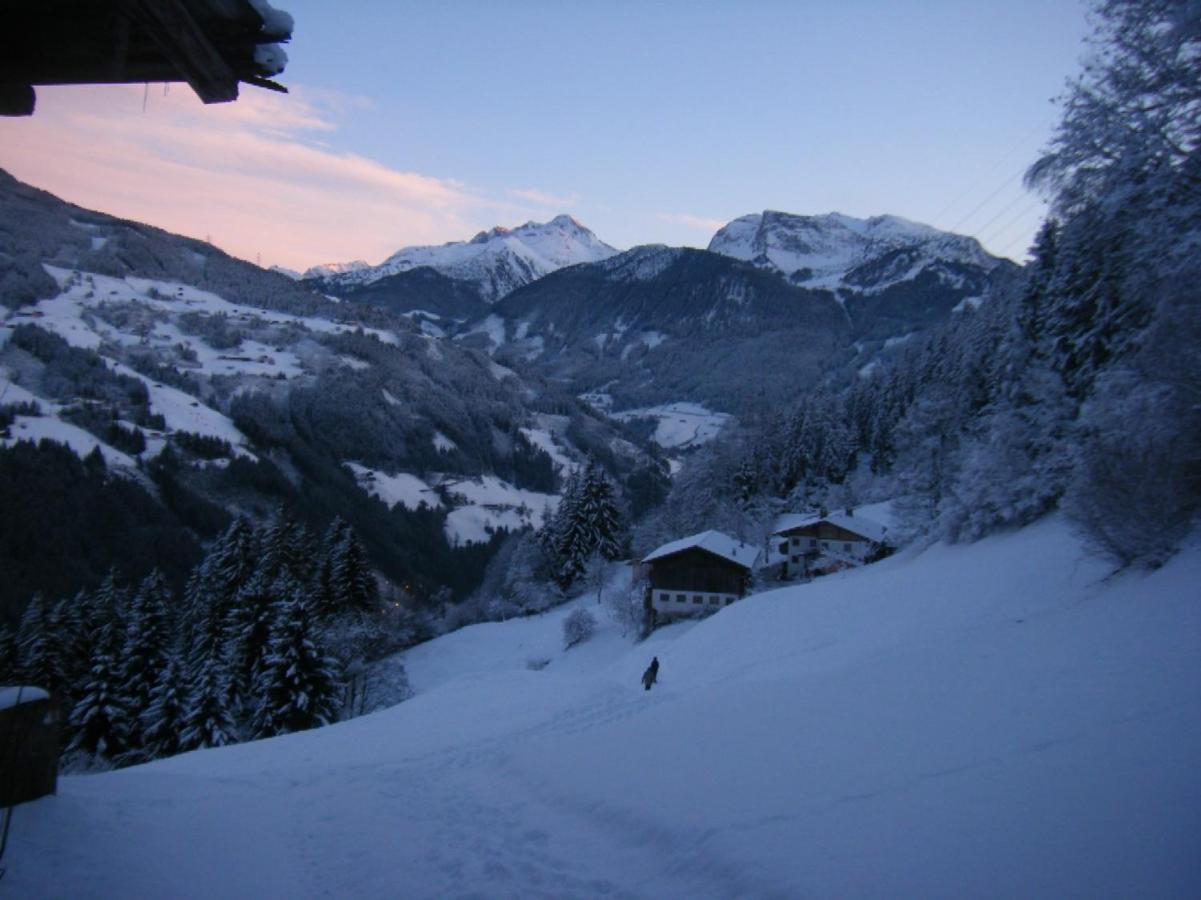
(837, 251)
(122, 339)
(997, 719)
(497, 261)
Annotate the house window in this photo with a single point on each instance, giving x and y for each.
(697, 598)
(664, 596)
(680, 598)
(846, 547)
(825, 545)
(714, 601)
(812, 542)
(784, 547)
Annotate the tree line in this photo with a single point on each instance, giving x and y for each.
(273, 633)
(1075, 389)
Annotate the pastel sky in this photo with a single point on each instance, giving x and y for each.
(650, 121)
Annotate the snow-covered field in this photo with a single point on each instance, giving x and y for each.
(678, 425)
(490, 503)
(992, 720)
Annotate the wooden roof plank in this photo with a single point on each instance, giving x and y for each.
(172, 27)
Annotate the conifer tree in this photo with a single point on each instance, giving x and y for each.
(248, 630)
(100, 720)
(598, 509)
(229, 564)
(38, 653)
(298, 688)
(75, 620)
(325, 594)
(208, 719)
(162, 721)
(147, 647)
(354, 585)
(287, 547)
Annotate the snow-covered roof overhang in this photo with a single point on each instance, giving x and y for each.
(213, 45)
(15, 695)
(866, 528)
(714, 542)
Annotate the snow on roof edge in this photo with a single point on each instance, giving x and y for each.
(9, 695)
(869, 528)
(715, 542)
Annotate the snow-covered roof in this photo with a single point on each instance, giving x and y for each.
(869, 528)
(714, 542)
(9, 695)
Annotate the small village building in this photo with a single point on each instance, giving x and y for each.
(818, 545)
(697, 574)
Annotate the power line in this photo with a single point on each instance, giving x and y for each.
(983, 229)
(979, 206)
(1017, 218)
(987, 173)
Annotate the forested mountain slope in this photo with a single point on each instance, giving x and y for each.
(214, 387)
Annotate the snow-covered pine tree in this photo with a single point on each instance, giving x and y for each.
(229, 564)
(597, 508)
(162, 721)
(354, 585)
(298, 687)
(208, 718)
(38, 651)
(287, 547)
(325, 594)
(75, 618)
(148, 639)
(100, 719)
(248, 630)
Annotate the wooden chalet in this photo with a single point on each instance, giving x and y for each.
(697, 574)
(816, 545)
(213, 45)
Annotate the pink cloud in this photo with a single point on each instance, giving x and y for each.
(253, 176)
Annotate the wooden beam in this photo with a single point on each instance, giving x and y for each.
(173, 29)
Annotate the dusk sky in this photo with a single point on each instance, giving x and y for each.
(650, 122)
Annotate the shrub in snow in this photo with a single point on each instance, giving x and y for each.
(626, 609)
(578, 627)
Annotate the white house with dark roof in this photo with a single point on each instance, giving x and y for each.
(697, 574)
(816, 544)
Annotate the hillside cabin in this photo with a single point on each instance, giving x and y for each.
(817, 545)
(697, 574)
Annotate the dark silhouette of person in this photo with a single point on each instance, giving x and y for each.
(651, 673)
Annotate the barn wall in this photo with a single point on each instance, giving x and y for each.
(29, 738)
(696, 571)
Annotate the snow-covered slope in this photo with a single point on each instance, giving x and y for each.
(833, 250)
(992, 720)
(498, 261)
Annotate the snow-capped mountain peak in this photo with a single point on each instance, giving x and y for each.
(328, 270)
(836, 250)
(498, 260)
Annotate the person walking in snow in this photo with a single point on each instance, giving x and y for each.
(651, 673)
